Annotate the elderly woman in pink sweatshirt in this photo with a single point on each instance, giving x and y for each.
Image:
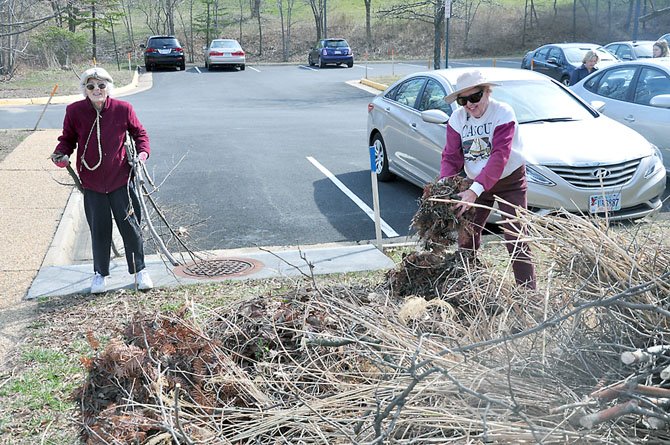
(483, 140)
(96, 127)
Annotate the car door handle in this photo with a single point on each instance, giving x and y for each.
(387, 109)
(629, 118)
(413, 126)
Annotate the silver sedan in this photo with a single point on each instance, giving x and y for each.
(637, 94)
(577, 159)
(224, 52)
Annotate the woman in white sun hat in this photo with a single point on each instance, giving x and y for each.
(96, 127)
(483, 140)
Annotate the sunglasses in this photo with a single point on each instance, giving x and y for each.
(473, 98)
(91, 86)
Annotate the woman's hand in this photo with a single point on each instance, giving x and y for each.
(60, 160)
(467, 197)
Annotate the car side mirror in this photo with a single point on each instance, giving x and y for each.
(552, 60)
(434, 116)
(204, 48)
(660, 101)
(142, 46)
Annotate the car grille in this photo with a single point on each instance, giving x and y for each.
(588, 177)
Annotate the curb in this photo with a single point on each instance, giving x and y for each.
(375, 85)
(61, 250)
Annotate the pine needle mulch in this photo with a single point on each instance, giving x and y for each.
(467, 358)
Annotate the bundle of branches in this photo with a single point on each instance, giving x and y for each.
(312, 367)
(436, 223)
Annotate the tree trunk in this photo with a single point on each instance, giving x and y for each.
(368, 28)
(437, 28)
(94, 39)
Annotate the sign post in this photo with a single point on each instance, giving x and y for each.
(375, 199)
(447, 14)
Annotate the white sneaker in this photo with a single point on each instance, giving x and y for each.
(143, 280)
(98, 284)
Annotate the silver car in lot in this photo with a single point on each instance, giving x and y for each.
(637, 94)
(225, 52)
(632, 49)
(577, 158)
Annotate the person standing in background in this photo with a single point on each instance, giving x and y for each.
(588, 66)
(660, 49)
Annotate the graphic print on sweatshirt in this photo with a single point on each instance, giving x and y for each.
(476, 143)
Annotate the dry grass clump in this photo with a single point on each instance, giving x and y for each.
(465, 358)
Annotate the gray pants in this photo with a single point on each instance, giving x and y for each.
(99, 208)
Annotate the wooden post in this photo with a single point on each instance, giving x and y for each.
(45, 106)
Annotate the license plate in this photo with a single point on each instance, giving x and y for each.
(338, 52)
(164, 51)
(608, 202)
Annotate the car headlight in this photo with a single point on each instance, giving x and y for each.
(532, 175)
(657, 162)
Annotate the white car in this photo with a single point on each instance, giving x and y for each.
(224, 52)
(577, 158)
(637, 94)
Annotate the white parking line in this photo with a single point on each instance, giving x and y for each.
(411, 64)
(252, 68)
(363, 206)
(305, 67)
(198, 70)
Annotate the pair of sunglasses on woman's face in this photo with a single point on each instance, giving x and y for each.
(473, 98)
(91, 87)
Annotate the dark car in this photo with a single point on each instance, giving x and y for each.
(559, 60)
(632, 50)
(331, 51)
(163, 51)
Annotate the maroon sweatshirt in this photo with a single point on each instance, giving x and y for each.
(116, 118)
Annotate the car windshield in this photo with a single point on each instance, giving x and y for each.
(576, 54)
(336, 44)
(159, 43)
(540, 100)
(224, 44)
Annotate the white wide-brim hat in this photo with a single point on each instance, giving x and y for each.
(468, 80)
(96, 73)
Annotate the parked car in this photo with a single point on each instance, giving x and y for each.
(331, 51)
(577, 159)
(632, 50)
(163, 51)
(559, 60)
(637, 94)
(666, 37)
(225, 52)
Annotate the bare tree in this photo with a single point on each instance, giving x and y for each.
(368, 27)
(285, 8)
(317, 7)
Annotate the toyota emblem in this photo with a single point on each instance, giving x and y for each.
(601, 173)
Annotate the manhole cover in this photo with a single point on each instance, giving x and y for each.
(219, 268)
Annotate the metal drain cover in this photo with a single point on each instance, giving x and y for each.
(219, 268)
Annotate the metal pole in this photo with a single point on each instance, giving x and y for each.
(375, 199)
(447, 14)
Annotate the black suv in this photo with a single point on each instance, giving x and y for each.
(163, 51)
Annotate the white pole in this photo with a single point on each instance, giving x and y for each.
(375, 199)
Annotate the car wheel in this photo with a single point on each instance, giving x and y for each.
(350, 64)
(242, 67)
(321, 64)
(565, 80)
(381, 159)
(148, 67)
(309, 60)
(183, 66)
